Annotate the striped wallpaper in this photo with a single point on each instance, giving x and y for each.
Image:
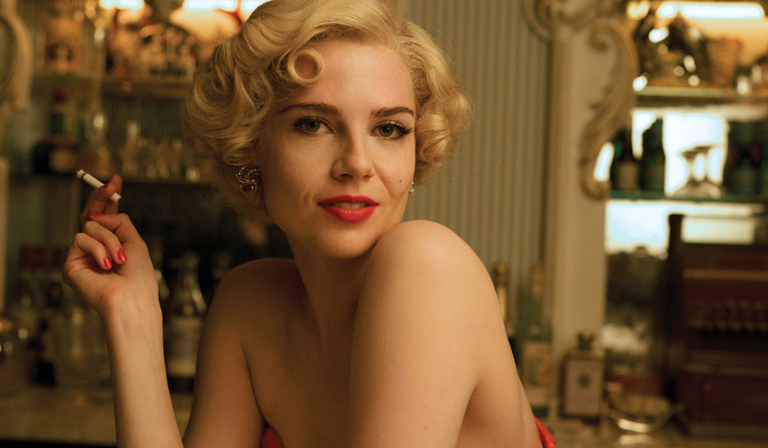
(492, 193)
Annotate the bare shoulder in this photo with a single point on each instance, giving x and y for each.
(253, 289)
(423, 265)
(424, 239)
(430, 249)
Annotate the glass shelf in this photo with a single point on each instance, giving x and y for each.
(158, 88)
(173, 88)
(679, 96)
(655, 196)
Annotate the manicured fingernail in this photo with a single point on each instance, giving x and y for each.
(95, 215)
(105, 185)
(107, 263)
(121, 256)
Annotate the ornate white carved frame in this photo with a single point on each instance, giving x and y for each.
(593, 65)
(600, 18)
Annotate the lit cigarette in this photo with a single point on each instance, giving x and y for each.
(96, 183)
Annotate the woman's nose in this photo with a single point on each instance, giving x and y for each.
(354, 160)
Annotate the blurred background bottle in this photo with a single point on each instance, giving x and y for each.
(24, 308)
(534, 341)
(654, 161)
(582, 381)
(184, 324)
(747, 162)
(500, 276)
(625, 170)
(57, 153)
(97, 157)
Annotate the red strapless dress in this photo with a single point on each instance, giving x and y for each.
(271, 440)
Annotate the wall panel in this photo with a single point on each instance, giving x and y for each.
(492, 193)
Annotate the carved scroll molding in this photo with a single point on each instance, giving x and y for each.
(602, 20)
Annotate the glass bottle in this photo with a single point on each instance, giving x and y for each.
(45, 363)
(57, 153)
(97, 157)
(763, 187)
(156, 255)
(653, 163)
(582, 381)
(625, 170)
(62, 38)
(93, 42)
(534, 342)
(130, 153)
(500, 277)
(24, 305)
(745, 172)
(184, 324)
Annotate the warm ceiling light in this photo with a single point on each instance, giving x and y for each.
(122, 4)
(208, 5)
(711, 10)
(247, 6)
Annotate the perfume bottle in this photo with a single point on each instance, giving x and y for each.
(582, 380)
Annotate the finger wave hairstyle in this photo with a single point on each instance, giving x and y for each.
(233, 92)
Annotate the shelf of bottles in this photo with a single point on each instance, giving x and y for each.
(700, 128)
(108, 88)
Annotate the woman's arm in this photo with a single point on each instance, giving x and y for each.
(108, 265)
(426, 321)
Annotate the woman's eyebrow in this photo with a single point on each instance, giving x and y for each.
(389, 111)
(323, 108)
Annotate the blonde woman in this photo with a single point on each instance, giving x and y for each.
(322, 114)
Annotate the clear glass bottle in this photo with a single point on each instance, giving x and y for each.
(130, 153)
(97, 157)
(57, 153)
(500, 276)
(625, 170)
(184, 325)
(534, 344)
(24, 307)
(156, 255)
(582, 381)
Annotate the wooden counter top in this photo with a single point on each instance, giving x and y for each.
(49, 414)
(46, 414)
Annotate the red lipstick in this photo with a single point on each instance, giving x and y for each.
(357, 213)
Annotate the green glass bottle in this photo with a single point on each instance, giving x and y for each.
(534, 344)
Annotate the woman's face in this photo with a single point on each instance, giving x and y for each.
(339, 156)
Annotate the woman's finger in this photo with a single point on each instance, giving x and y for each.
(100, 200)
(122, 228)
(107, 239)
(86, 249)
(115, 185)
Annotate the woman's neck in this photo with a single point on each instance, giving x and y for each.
(333, 287)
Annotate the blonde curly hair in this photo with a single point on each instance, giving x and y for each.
(233, 93)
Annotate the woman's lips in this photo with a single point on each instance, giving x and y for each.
(349, 208)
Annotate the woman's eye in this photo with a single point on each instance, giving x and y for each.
(393, 130)
(387, 130)
(310, 125)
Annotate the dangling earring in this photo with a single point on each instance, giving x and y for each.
(247, 176)
(411, 190)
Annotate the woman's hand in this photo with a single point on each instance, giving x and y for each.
(108, 264)
(99, 201)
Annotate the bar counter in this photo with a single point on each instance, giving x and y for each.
(48, 415)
